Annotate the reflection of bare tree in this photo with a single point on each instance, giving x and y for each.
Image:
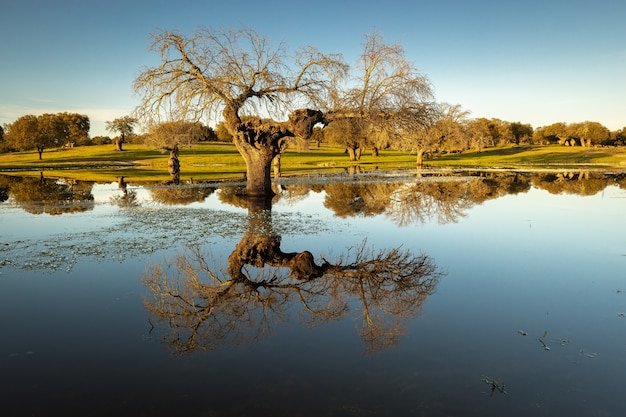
(204, 306)
(421, 201)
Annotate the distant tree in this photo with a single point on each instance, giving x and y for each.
(317, 136)
(53, 131)
(554, 133)
(77, 128)
(349, 133)
(208, 134)
(522, 133)
(166, 135)
(3, 144)
(125, 126)
(23, 134)
(449, 128)
(222, 133)
(101, 140)
(617, 138)
(590, 133)
(480, 133)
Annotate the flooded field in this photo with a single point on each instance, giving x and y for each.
(378, 294)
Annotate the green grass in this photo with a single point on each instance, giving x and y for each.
(217, 161)
(540, 157)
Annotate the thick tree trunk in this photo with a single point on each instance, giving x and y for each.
(173, 165)
(354, 153)
(258, 168)
(259, 142)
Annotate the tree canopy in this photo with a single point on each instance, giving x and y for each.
(125, 126)
(46, 131)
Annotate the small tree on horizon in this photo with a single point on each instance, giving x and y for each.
(125, 126)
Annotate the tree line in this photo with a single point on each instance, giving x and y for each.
(45, 131)
(452, 131)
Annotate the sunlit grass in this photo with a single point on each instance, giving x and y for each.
(216, 161)
(539, 157)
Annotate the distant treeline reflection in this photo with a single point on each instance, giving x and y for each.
(442, 197)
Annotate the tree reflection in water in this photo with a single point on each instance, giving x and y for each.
(203, 306)
(48, 195)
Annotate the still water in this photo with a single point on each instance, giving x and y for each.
(386, 294)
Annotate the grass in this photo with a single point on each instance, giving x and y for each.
(541, 157)
(220, 161)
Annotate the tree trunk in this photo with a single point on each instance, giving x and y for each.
(258, 168)
(173, 165)
(40, 151)
(354, 152)
(420, 158)
(259, 142)
(374, 151)
(276, 165)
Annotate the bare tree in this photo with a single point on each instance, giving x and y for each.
(236, 73)
(389, 94)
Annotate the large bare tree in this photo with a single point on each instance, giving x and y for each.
(387, 95)
(238, 73)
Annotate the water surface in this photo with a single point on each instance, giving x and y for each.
(190, 300)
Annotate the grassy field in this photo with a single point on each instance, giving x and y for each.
(216, 161)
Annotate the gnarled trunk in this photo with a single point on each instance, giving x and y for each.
(259, 142)
(258, 167)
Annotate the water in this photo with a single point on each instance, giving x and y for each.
(522, 312)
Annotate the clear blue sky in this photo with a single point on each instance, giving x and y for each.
(533, 61)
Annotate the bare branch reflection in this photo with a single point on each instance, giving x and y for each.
(201, 306)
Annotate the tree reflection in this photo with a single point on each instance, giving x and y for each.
(50, 196)
(446, 199)
(203, 306)
(181, 195)
(128, 198)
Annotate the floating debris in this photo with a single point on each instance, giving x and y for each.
(523, 333)
(588, 355)
(562, 342)
(621, 314)
(540, 339)
(495, 385)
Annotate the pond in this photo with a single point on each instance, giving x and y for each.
(373, 294)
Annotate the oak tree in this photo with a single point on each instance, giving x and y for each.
(234, 73)
(125, 126)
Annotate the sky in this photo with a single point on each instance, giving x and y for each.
(533, 61)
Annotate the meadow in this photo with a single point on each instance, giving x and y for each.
(221, 161)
